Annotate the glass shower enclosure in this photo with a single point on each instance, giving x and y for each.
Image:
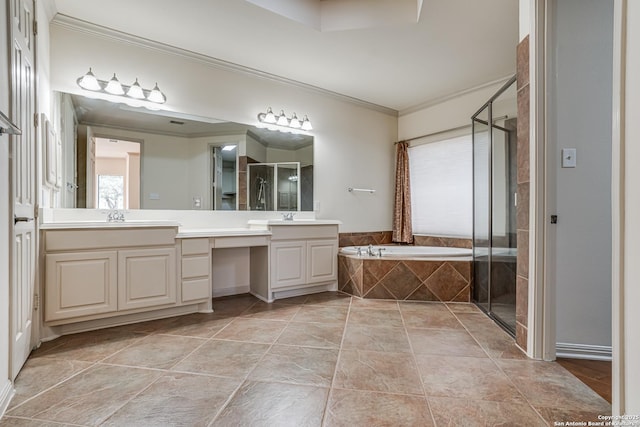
(494, 206)
(274, 186)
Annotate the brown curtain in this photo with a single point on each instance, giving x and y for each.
(402, 232)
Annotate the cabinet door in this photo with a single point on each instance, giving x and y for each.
(287, 264)
(80, 284)
(146, 278)
(322, 261)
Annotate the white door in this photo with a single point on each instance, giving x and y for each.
(23, 178)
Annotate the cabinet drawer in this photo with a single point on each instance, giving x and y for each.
(195, 246)
(290, 232)
(196, 266)
(91, 239)
(240, 241)
(195, 289)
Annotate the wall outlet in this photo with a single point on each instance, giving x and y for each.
(154, 196)
(316, 205)
(568, 157)
(197, 202)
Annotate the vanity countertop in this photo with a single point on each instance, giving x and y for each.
(185, 233)
(105, 224)
(257, 224)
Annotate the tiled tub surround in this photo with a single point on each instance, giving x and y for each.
(410, 279)
(322, 360)
(384, 238)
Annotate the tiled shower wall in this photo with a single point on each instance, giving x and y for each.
(522, 213)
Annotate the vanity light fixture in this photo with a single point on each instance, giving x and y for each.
(135, 91)
(282, 123)
(113, 87)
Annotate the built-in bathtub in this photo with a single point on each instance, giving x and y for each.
(417, 273)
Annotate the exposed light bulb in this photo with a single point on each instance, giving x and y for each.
(114, 87)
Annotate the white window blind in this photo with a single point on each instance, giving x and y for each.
(441, 176)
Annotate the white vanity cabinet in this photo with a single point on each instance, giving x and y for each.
(303, 258)
(195, 269)
(80, 284)
(146, 277)
(94, 273)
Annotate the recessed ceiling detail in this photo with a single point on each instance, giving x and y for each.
(342, 15)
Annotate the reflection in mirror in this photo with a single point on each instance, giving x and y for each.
(164, 160)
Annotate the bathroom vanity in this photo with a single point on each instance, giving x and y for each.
(98, 274)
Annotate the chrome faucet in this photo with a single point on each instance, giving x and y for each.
(115, 216)
(287, 216)
(370, 250)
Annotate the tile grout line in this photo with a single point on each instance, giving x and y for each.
(415, 362)
(335, 370)
(245, 378)
(495, 363)
(53, 386)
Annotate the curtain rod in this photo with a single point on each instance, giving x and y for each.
(445, 131)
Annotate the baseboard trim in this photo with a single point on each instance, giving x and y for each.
(232, 290)
(583, 351)
(6, 394)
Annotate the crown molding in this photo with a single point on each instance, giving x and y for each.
(454, 95)
(74, 24)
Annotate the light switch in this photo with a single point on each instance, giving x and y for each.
(568, 157)
(316, 205)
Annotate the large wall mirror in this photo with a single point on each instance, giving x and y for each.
(121, 157)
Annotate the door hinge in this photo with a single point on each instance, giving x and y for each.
(35, 28)
(36, 302)
(35, 120)
(36, 208)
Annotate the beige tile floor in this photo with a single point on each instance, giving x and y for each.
(327, 359)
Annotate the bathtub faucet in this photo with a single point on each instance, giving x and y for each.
(380, 252)
(370, 250)
(287, 216)
(115, 216)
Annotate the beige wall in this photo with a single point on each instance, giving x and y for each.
(344, 132)
(450, 113)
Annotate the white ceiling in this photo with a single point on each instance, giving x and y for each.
(455, 45)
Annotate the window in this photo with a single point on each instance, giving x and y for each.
(110, 192)
(441, 176)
